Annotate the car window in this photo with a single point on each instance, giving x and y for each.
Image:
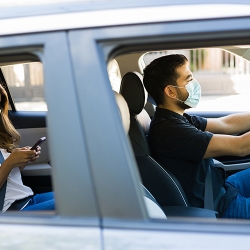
(224, 77)
(25, 82)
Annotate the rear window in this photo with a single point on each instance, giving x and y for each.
(26, 85)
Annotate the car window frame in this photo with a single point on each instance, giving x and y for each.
(117, 199)
(113, 41)
(105, 43)
(57, 73)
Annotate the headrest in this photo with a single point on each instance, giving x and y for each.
(124, 111)
(133, 91)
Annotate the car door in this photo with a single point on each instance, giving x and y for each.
(124, 216)
(75, 223)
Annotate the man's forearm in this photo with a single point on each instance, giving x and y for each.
(237, 123)
(231, 124)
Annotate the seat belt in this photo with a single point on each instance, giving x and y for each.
(209, 196)
(3, 188)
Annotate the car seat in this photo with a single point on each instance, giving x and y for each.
(161, 182)
(153, 207)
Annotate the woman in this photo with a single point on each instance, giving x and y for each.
(17, 195)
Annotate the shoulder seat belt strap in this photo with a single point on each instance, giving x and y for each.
(3, 188)
(208, 196)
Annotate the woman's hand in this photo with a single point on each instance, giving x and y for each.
(21, 156)
(18, 158)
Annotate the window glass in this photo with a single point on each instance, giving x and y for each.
(224, 77)
(25, 82)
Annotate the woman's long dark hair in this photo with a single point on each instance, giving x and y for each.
(9, 137)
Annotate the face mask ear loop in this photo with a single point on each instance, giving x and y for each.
(179, 88)
(179, 100)
(176, 87)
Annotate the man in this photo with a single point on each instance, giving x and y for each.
(186, 144)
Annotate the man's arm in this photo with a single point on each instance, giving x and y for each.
(221, 145)
(231, 124)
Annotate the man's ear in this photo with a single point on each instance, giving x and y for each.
(169, 92)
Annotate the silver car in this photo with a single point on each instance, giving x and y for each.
(61, 62)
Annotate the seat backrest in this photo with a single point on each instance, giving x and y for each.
(158, 180)
(136, 96)
(153, 207)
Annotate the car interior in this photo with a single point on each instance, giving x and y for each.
(154, 176)
(30, 124)
(159, 186)
(141, 107)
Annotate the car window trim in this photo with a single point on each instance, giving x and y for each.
(4, 84)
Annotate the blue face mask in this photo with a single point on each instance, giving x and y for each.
(194, 93)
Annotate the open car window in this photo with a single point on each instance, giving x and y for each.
(223, 75)
(25, 82)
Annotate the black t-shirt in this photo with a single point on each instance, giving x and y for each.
(179, 143)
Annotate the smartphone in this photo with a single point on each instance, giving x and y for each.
(38, 143)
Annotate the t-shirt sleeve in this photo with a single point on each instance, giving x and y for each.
(197, 121)
(184, 142)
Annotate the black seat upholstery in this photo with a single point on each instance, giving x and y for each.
(154, 209)
(161, 183)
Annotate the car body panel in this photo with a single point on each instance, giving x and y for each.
(174, 234)
(43, 45)
(99, 202)
(49, 237)
(139, 239)
(112, 162)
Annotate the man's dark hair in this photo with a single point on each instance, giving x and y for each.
(160, 73)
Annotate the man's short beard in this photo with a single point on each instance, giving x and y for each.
(181, 104)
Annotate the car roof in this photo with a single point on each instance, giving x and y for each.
(25, 7)
(16, 8)
(62, 15)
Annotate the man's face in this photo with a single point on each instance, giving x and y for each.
(185, 76)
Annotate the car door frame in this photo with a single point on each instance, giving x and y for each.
(94, 48)
(66, 141)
